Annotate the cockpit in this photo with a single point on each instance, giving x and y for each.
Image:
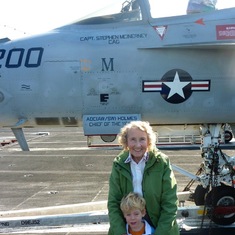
(112, 11)
(125, 11)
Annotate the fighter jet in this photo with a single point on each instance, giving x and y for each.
(122, 65)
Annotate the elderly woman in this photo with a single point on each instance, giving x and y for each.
(143, 169)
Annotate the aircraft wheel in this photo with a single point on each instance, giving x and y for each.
(199, 195)
(228, 135)
(221, 196)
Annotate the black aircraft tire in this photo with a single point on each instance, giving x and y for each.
(199, 195)
(228, 135)
(221, 196)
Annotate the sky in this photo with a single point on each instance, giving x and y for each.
(21, 18)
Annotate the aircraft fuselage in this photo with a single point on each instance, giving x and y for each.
(181, 72)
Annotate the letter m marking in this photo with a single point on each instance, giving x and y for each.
(107, 66)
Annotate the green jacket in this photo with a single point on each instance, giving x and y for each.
(159, 190)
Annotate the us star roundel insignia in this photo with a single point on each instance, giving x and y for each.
(176, 86)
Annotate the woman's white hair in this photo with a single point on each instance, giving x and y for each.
(143, 126)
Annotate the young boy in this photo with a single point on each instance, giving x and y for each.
(133, 208)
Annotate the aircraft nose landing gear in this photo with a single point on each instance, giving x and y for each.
(216, 189)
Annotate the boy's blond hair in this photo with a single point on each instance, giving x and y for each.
(132, 201)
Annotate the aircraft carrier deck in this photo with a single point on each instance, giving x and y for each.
(60, 180)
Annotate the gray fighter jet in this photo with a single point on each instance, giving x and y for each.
(125, 64)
